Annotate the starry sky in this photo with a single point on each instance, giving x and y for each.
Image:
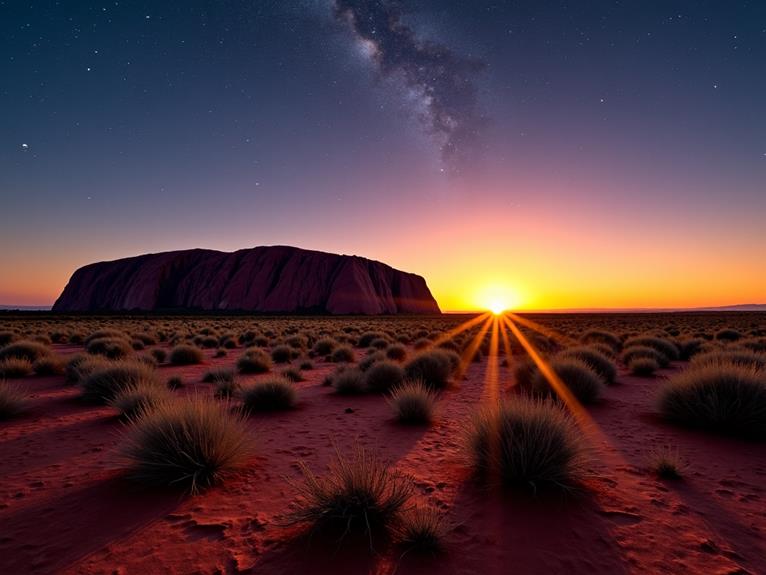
(554, 154)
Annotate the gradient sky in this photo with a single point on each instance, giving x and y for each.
(549, 154)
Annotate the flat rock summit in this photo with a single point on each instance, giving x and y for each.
(266, 279)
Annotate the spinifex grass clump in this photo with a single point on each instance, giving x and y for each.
(190, 442)
(527, 443)
(13, 402)
(15, 367)
(106, 381)
(643, 366)
(184, 354)
(110, 347)
(666, 463)
(727, 398)
(254, 360)
(273, 394)
(421, 530)
(28, 350)
(433, 368)
(135, 399)
(413, 403)
(383, 376)
(596, 360)
(584, 383)
(358, 498)
(348, 381)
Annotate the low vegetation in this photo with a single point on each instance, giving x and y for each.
(190, 443)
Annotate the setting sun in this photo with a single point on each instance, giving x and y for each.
(497, 298)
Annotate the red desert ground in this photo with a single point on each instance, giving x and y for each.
(409, 443)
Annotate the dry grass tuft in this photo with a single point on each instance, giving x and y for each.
(413, 403)
(274, 394)
(13, 401)
(358, 497)
(190, 442)
(526, 442)
(726, 398)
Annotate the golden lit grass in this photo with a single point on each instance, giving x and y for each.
(726, 398)
(28, 350)
(584, 383)
(15, 367)
(191, 442)
(254, 360)
(526, 442)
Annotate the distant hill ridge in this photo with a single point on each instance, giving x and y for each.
(266, 279)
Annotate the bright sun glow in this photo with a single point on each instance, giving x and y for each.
(498, 299)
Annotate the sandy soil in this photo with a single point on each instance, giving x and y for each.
(64, 507)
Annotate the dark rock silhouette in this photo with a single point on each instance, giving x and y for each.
(267, 279)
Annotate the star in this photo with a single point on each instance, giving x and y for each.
(26, 147)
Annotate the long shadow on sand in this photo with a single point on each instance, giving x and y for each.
(49, 535)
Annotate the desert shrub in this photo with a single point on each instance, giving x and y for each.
(666, 348)
(666, 462)
(742, 358)
(148, 359)
(220, 352)
(527, 443)
(421, 344)
(297, 341)
(379, 343)
(190, 442)
(642, 351)
(366, 339)
(134, 399)
(49, 365)
(325, 346)
(105, 333)
(306, 365)
(15, 367)
(29, 350)
(755, 344)
(688, 348)
(524, 372)
(371, 360)
(349, 382)
(397, 352)
(159, 354)
(110, 347)
(13, 401)
(137, 345)
(293, 374)
(281, 354)
(383, 376)
(359, 497)
(107, 380)
(208, 342)
(433, 368)
(80, 366)
(605, 337)
(728, 335)
(6, 337)
(413, 403)
(254, 360)
(342, 354)
(274, 394)
(643, 366)
(421, 530)
(174, 382)
(584, 383)
(726, 398)
(184, 354)
(218, 374)
(596, 360)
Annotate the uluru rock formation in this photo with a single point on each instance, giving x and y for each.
(267, 279)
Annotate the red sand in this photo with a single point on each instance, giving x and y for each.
(65, 509)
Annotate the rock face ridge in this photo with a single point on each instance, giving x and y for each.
(266, 279)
